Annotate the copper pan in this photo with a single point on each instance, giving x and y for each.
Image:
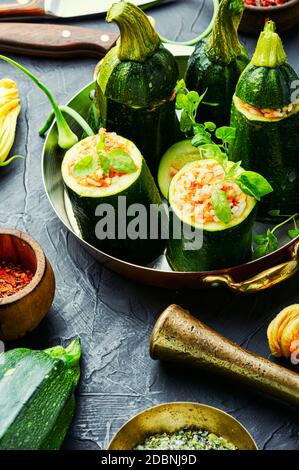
(247, 278)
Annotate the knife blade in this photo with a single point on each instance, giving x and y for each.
(61, 8)
(61, 41)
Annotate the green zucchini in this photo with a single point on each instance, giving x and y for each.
(177, 156)
(135, 95)
(91, 201)
(217, 64)
(208, 244)
(267, 144)
(37, 396)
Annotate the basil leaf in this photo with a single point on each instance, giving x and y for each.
(253, 184)
(233, 170)
(221, 206)
(272, 241)
(104, 163)
(210, 126)
(226, 134)
(101, 144)
(260, 239)
(294, 233)
(121, 161)
(86, 166)
(274, 213)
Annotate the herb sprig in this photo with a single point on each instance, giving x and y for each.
(268, 242)
(250, 183)
(118, 160)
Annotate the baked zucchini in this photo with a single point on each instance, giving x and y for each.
(266, 117)
(217, 64)
(107, 173)
(135, 95)
(199, 240)
(37, 402)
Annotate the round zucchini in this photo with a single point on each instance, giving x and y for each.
(173, 161)
(266, 118)
(217, 64)
(105, 212)
(211, 244)
(135, 94)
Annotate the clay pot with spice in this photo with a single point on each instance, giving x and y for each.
(27, 284)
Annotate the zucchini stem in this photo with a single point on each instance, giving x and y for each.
(269, 50)
(71, 112)
(138, 38)
(66, 138)
(70, 355)
(223, 46)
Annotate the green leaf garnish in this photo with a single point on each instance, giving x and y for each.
(226, 134)
(266, 244)
(101, 144)
(210, 126)
(221, 206)
(233, 170)
(104, 163)
(86, 166)
(260, 239)
(253, 184)
(121, 161)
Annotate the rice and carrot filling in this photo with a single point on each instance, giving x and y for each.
(274, 114)
(100, 178)
(192, 194)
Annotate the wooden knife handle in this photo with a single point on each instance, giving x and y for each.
(22, 8)
(54, 41)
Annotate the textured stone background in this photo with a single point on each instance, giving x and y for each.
(114, 317)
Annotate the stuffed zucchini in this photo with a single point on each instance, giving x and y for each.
(266, 116)
(217, 64)
(135, 95)
(199, 240)
(109, 185)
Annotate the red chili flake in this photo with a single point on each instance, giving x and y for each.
(13, 278)
(265, 3)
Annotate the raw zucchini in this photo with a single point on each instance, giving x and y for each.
(217, 64)
(209, 245)
(37, 401)
(173, 161)
(90, 203)
(269, 146)
(135, 94)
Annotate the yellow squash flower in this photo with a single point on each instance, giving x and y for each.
(9, 111)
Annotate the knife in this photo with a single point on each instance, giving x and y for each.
(61, 8)
(61, 41)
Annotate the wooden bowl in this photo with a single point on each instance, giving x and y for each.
(23, 311)
(286, 16)
(171, 417)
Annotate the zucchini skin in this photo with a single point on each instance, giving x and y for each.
(267, 87)
(220, 249)
(142, 191)
(271, 149)
(137, 101)
(37, 400)
(218, 79)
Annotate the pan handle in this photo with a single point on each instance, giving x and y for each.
(262, 281)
